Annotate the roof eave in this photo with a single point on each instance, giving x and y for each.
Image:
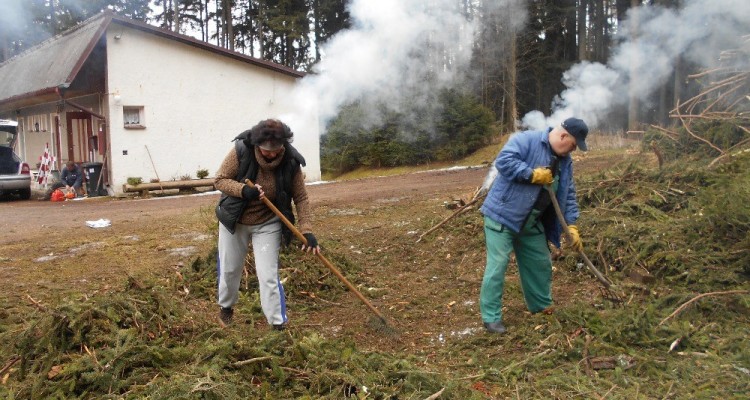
(29, 95)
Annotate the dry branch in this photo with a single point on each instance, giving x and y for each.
(436, 395)
(708, 142)
(460, 210)
(250, 361)
(700, 296)
(738, 145)
(725, 87)
(13, 360)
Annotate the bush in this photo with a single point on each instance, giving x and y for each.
(375, 136)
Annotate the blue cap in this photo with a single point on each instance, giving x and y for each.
(579, 130)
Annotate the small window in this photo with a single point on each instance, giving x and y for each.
(133, 117)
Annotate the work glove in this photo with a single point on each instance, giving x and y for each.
(250, 193)
(575, 238)
(312, 243)
(541, 176)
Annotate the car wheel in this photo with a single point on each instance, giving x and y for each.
(25, 194)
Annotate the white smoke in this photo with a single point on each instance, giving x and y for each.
(18, 26)
(650, 42)
(384, 57)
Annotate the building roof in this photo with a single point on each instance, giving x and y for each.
(54, 63)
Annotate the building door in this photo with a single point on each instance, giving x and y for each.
(78, 135)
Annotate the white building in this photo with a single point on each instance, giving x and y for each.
(143, 101)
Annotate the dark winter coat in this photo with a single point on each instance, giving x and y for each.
(230, 208)
(72, 178)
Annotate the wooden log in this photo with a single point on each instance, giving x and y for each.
(189, 184)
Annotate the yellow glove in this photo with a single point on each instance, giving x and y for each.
(541, 176)
(575, 238)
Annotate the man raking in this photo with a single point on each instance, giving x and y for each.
(518, 216)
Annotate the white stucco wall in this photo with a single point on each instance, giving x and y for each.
(195, 102)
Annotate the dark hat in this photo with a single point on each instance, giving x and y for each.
(270, 134)
(579, 130)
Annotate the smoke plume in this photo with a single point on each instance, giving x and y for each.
(650, 41)
(385, 57)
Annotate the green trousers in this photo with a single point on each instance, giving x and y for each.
(534, 267)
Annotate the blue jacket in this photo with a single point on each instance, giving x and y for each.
(512, 196)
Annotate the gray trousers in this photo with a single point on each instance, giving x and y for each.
(232, 251)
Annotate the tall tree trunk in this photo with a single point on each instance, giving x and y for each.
(202, 20)
(633, 104)
(571, 47)
(176, 16)
(317, 27)
(250, 18)
(219, 27)
(679, 78)
(168, 9)
(661, 110)
(582, 31)
(600, 22)
(228, 23)
(512, 81)
(261, 34)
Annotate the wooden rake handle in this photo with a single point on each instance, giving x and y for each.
(322, 258)
(607, 284)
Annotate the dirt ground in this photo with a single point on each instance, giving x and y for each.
(47, 252)
(428, 291)
(33, 221)
(24, 220)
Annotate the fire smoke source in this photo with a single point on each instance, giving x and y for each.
(651, 40)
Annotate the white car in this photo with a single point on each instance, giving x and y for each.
(15, 175)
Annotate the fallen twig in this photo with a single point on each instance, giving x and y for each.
(609, 391)
(470, 377)
(436, 395)
(684, 306)
(250, 361)
(36, 303)
(10, 363)
(465, 207)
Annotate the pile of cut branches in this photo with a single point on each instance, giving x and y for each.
(143, 341)
(716, 121)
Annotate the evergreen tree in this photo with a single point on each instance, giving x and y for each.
(24, 23)
(329, 17)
